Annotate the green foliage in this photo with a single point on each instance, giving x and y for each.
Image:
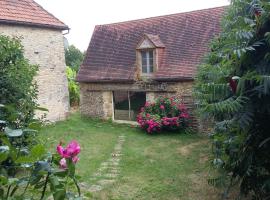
(28, 171)
(233, 88)
(74, 57)
(18, 87)
(73, 87)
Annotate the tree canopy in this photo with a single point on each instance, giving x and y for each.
(233, 88)
(74, 57)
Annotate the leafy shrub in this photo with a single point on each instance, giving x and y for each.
(164, 114)
(18, 87)
(30, 172)
(73, 87)
(233, 88)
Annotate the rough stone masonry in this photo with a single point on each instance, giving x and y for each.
(45, 47)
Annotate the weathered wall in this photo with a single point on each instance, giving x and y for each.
(97, 104)
(45, 47)
(97, 98)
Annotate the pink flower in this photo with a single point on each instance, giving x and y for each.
(182, 107)
(75, 159)
(148, 115)
(63, 163)
(184, 115)
(147, 104)
(72, 150)
(162, 107)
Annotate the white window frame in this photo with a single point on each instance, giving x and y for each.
(147, 61)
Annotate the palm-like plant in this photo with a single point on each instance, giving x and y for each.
(233, 87)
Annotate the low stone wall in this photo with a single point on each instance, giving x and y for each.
(45, 47)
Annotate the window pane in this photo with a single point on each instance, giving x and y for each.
(147, 61)
(151, 68)
(151, 55)
(144, 69)
(143, 54)
(137, 100)
(121, 106)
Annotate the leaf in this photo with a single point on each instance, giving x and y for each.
(37, 151)
(4, 151)
(59, 194)
(2, 122)
(264, 142)
(13, 133)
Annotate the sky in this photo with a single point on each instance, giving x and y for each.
(82, 15)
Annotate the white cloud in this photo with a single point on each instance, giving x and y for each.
(82, 15)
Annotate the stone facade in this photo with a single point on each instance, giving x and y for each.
(97, 98)
(45, 47)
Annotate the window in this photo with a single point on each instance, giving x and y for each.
(147, 62)
(127, 104)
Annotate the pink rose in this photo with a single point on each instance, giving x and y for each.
(63, 163)
(73, 149)
(75, 159)
(162, 107)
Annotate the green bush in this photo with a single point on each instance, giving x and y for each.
(233, 88)
(73, 87)
(18, 87)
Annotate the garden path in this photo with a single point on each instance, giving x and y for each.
(108, 170)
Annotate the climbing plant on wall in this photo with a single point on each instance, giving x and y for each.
(233, 88)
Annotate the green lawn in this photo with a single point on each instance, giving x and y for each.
(163, 166)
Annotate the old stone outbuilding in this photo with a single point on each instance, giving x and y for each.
(43, 41)
(129, 63)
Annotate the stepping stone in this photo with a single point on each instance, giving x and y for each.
(111, 175)
(104, 164)
(95, 188)
(97, 174)
(116, 154)
(114, 160)
(105, 182)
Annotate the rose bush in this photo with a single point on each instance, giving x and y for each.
(164, 114)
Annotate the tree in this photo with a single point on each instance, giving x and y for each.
(18, 89)
(74, 57)
(233, 88)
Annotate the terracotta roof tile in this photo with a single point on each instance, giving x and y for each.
(111, 54)
(28, 12)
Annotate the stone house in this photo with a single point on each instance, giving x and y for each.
(42, 37)
(129, 63)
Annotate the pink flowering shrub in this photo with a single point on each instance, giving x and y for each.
(164, 114)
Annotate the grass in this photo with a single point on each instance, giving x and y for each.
(163, 166)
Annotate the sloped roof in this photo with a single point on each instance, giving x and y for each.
(111, 53)
(28, 12)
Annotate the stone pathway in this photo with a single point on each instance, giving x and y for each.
(108, 170)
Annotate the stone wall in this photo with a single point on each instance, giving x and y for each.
(45, 47)
(97, 98)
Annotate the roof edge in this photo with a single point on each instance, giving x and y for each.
(165, 15)
(106, 81)
(173, 79)
(4, 21)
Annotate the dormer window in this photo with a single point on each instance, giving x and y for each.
(147, 61)
(149, 55)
